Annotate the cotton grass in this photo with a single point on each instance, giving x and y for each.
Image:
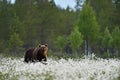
(60, 69)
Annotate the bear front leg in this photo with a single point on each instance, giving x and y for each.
(45, 59)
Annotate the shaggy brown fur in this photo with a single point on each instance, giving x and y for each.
(36, 54)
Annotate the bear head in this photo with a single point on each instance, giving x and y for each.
(43, 48)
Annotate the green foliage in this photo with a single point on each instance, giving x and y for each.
(116, 37)
(24, 24)
(116, 19)
(105, 55)
(61, 42)
(5, 17)
(75, 38)
(107, 38)
(17, 26)
(89, 27)
(48, 76)
(2, 45)
(14, 44)
(87, 23)
(15, 41)
(107, 14)
(104, 10)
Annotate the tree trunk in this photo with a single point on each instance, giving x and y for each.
(108, 52)
(116, 53)
(87, 48)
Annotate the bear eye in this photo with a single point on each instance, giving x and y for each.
(46, 45)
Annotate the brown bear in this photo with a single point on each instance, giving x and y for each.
(36, 54)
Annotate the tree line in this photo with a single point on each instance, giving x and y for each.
(93, 29)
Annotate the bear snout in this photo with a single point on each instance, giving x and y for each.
(42, 48)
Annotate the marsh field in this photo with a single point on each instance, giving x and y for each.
(90, 26)
(60, 69)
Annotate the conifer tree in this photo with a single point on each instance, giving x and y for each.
(116, 40)
(75, 39)
(107, 40)
(61, 42)
(15, 42)
(88, 26)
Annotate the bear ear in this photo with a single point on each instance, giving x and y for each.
(39, 45)
(46, 45)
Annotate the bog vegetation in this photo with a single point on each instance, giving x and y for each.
(94, 28)
(61, 69)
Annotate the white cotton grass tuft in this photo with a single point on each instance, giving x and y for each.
(71, 69)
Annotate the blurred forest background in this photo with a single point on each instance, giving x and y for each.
(94, 28)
